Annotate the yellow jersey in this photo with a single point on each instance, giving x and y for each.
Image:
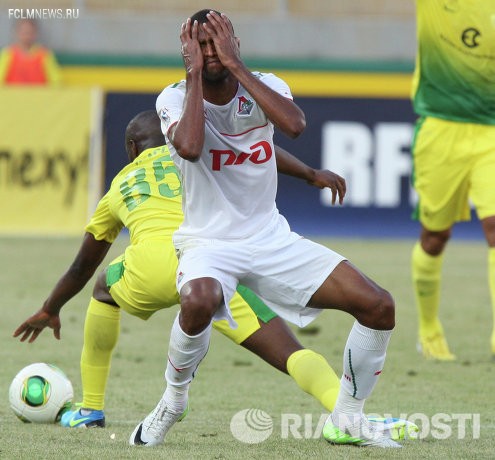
(455, 64)
(145, 196)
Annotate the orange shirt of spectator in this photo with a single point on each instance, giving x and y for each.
(27, 62)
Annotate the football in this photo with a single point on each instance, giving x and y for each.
(40, 393)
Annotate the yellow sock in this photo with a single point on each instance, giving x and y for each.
(426, 274)
(101, 332)
(491, 284)
(314, 375)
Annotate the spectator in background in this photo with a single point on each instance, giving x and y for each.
(453, 149)
(26, 62)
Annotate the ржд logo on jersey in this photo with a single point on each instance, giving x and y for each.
(244, 106)
(261, 152)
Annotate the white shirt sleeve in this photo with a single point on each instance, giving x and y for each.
(169, 106)
(276, 83)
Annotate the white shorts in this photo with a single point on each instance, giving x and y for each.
(282, 267)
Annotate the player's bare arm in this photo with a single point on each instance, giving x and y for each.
(322, 178)
(89, 257)
(187, 135)
(281, 111)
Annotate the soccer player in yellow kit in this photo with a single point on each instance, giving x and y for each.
(453, 147)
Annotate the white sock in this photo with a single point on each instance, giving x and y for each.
(185, 352)
(347, 409)
(364, 357)
(176, 397)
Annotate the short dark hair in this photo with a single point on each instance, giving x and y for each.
(200, 16)
(145, 127)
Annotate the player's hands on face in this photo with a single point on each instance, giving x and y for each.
(190, 49)
(328, 179)
(32, 327)
(220, 30)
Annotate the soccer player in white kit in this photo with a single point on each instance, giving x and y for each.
(219, 126)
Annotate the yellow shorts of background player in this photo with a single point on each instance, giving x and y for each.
(453, 164)
(142, 282)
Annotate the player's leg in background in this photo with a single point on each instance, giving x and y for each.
(263, 333)
(274, 343)
(488, 225)
(101, 333)
(482, 194)
(442, 178)
(426, 267)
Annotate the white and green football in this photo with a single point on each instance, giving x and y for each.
(40, 393)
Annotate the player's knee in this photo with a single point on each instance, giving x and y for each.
(101, 291)
(383, 313)
(198, 305)
(434, 242)
(196, 314)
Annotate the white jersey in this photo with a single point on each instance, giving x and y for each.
(230, 192)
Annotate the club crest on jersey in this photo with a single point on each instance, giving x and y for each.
(245, 106)
(164, 115)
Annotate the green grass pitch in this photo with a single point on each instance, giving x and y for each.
(231, 379)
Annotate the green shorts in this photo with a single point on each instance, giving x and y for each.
(453, 166)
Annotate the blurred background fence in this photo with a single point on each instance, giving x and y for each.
(307, 29)
(349, 64)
